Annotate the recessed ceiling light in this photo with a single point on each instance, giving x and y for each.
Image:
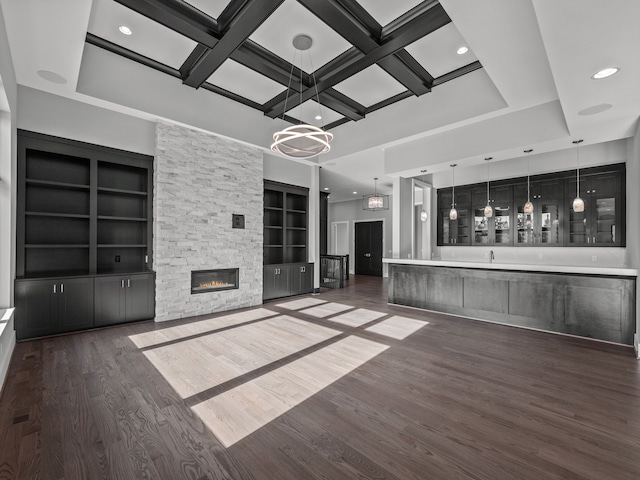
(125, 30)
(318, 117)
(462, 50)
(326, 188)
(355, 193)
(605, 72)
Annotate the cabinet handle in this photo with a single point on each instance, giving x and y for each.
(62, 288)
(594, 240)
(588, 239)
(302, 269)
(54, 288)
(128, 283)
(593, 191)
(122, 283)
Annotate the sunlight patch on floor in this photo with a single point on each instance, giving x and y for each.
(197, 364)
(397, 327)
(326, 310)
(155, 337)
(301, 303)
(357, 317)
(238, 412)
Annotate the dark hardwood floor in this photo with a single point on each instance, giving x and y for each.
(289, 391)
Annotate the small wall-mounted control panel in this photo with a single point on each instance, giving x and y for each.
(237, 221)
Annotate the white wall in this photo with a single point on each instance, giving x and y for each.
(8, 149)
(43, 112)
(633, 219)
(352, 212)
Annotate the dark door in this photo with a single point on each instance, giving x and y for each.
(368, 248)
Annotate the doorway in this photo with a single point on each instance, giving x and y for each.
(368, 248)
(339, 238)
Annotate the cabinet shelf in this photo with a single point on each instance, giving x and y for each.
(274, 209)
(273, 227)
(61, 185)
(273, 246)
(302, 229)
(296, 211)
(58, 215)
(122, 245)
(285, 223)
(58, 245)
(126, 219)
(119, 191)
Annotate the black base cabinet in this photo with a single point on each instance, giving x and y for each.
(46, 307)
(285, 280)
(68, 304)
(124, 298)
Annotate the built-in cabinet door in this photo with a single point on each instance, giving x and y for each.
(110, 300)
(140, 297)
(542, 227)
(275, 281)
(36, 308)
(75, 307)
(47, 307)
(301, 278)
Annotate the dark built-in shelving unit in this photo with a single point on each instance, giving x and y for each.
(83, 211)
(286, 271)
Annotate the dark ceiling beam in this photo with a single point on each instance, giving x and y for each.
(457, 73)
(179, 17)
(245, 21)
(422, 20)
(364, 35)
(130, 55)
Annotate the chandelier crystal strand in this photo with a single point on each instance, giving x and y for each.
(488, 210)
(578, 203)
(453, 213)
(528, 207)
(301, 141)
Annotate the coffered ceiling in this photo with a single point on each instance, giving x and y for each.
(390, 85)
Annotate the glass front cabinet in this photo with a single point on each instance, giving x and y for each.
(552, 222)
(497, 229)
(543, 227)
(600, 224)
(458, 231)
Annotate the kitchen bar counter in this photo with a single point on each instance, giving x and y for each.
(594, 302)
(523, 267)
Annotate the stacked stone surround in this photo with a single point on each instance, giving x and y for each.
(200, 180)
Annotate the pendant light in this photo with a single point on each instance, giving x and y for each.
(301, 141)
(423, 214)
(453, 213)
(375, 201)
(578, 203)
(488, 211)
(528, 207)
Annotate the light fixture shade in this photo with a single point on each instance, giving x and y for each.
(488, 211)
(578, 205)
(453, 214)
(301, 141)
(424, 216)
(528, 207)
(375, 201)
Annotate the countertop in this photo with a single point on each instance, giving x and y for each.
(616, 271)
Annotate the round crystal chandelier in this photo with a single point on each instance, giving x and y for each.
(301, 141)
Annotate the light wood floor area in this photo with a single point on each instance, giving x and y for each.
(335, 386)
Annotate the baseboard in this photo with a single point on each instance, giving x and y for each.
(7, 344)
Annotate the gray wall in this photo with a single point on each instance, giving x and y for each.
(200, 180)
(352, 212)
(633, 219)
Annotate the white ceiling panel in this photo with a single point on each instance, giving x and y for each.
(149, 38)
(370, 86)
(437, 52)
(291, 19)
(310, 109)
(213, 8)
(385, 11)
(243, 81)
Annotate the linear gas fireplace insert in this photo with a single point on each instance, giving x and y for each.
(214, 280)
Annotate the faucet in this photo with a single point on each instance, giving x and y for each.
(491, 256)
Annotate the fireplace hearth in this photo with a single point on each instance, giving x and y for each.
(203, 281)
